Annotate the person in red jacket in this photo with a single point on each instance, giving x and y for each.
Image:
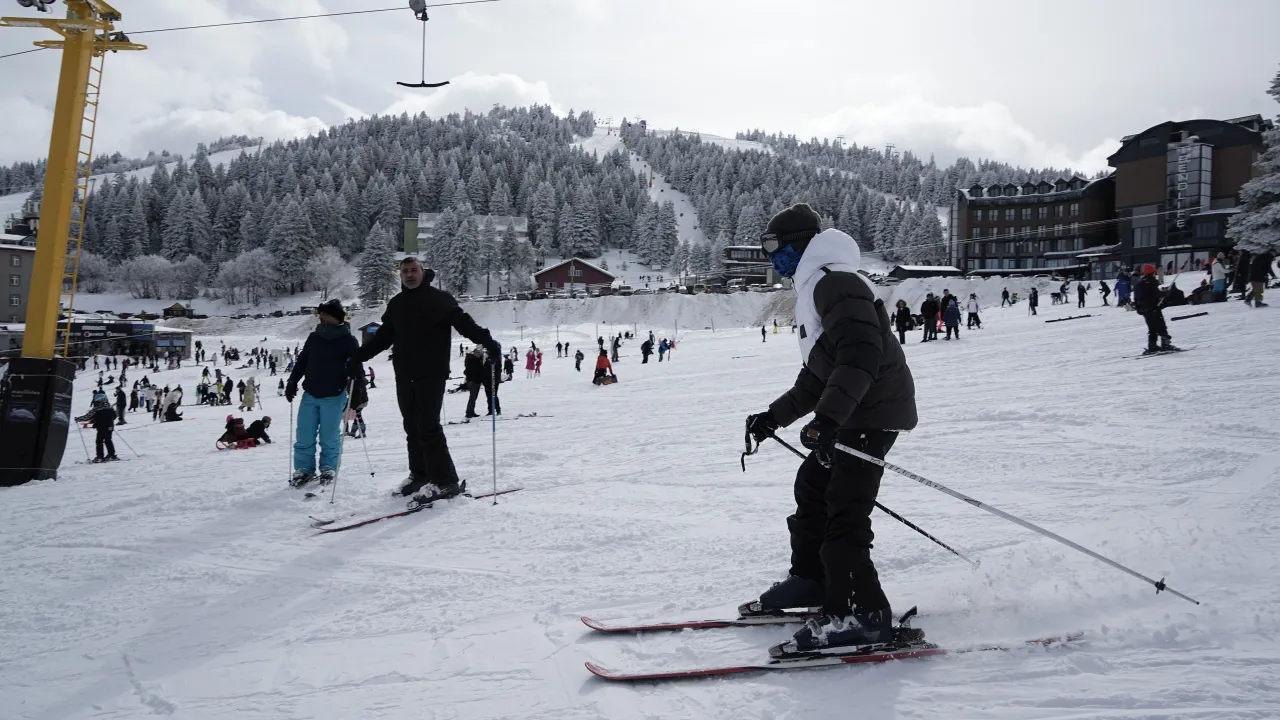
(603, 369)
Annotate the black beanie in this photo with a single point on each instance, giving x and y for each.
(333, 309)
(797, 223)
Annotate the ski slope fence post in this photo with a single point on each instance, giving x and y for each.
(1158, 584)
(887, 511)
(493, 421)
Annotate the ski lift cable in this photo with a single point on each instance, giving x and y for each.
(279, 19)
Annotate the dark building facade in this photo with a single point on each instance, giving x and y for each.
(1176, 186)
(1034, 227)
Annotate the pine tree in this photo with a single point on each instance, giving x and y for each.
(113, 242)
(509, 251)
(290, 246)
(176, 238)
(133, 230)
(376, 271)
(542, 216)
(566, 238)
(668, 231)
(199, 227)
(487, 256)
(478, 190)
(1257, 226)
(500, 201)
(680, 259)
(586, 224)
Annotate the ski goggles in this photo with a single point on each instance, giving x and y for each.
(770, 242)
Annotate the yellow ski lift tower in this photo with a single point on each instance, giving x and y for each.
(35, 399)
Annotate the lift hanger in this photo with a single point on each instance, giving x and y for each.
(419, 8)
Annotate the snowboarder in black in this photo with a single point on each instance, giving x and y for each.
(104, 419)
(417, 326)
(856, 382)
(929, 311)
(1146, 298)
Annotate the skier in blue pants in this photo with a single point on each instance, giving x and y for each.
(328, 373)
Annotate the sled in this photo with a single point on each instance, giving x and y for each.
(237, 445)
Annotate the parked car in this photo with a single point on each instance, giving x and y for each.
(643, 291)
(625, 290)
(524, 296)
(539, 295)
(464, 298)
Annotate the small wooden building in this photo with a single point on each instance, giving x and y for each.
(177, 310)
(368, 331)
(571, 273)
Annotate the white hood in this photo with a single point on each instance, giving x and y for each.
(836, 251)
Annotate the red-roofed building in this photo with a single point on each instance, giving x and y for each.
(570, 274)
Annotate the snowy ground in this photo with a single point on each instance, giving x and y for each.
(187, 583)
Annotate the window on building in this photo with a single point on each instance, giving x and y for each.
(13, 318)
(977, 215)
(1026, 213)
(15, 260)
(1075, 209)
(1042, 230)
(1010, 263)
(1057, 230)
(971, 264)
(1144, 237)
(1008, 213)
(1058, 210)
(15, 281)
(1044, 212)
(975, 232)
(15, 300)
(1075, 228)
(1208, 230)
(1079, 243)
(550, 284)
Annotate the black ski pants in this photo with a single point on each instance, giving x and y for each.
(1004, 301)
(420, 402)
(491, 402)
(473, 387)
(103, 440)
(1156, 327)
(902, 336)
(831, 528)
(974, 321)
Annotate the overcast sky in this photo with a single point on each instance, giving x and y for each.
(1047, 83)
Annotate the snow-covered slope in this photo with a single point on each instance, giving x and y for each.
(187, 583)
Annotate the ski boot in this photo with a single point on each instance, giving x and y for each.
(326, 476)
(1167, 346)
(432, 492)
(794, 592)
(857, 632)
(301, 477)
(409, 487)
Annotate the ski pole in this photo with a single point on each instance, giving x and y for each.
(1158, 584)
(126, 444)
(87, 456)
(290, 479)
(493, 416)
(892, 514)
(333, 491)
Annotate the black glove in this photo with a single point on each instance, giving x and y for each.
(762, 426)
(495, 352)
(820, 436)
(290, 390)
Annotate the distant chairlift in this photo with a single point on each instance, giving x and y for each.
(419, 8)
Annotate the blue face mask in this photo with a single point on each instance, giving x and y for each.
(786, 260)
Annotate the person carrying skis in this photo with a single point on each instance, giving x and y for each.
(854, 378)
(417, 325)
(578, 357)
(1146, 299)
(604, 369)
(902, 321)
(327, 369)
(929, 311)
(104, 420)
(258, 430)
(973, 308)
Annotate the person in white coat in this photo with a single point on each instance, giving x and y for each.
(1218, 271)
(972, 307)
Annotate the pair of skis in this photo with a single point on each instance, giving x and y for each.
(883, 652)
(325, 526)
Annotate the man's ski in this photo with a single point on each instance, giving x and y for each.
(784, 617)
(1161, 352)
(870, 654)
(323, 525)
(484, 419)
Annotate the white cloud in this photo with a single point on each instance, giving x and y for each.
(987, 131)
(184, 127)
(475, 92)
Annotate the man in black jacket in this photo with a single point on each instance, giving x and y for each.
(104, 419)
(1260, 271)
(417, 325)
(1147, 301)
(473, 371)
(929, 311)
(856, 381)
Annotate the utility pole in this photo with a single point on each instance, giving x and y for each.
(41, 384)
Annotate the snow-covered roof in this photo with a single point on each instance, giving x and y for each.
(927, 268)
(21, 241)
(577, 260)
(1219, 211)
